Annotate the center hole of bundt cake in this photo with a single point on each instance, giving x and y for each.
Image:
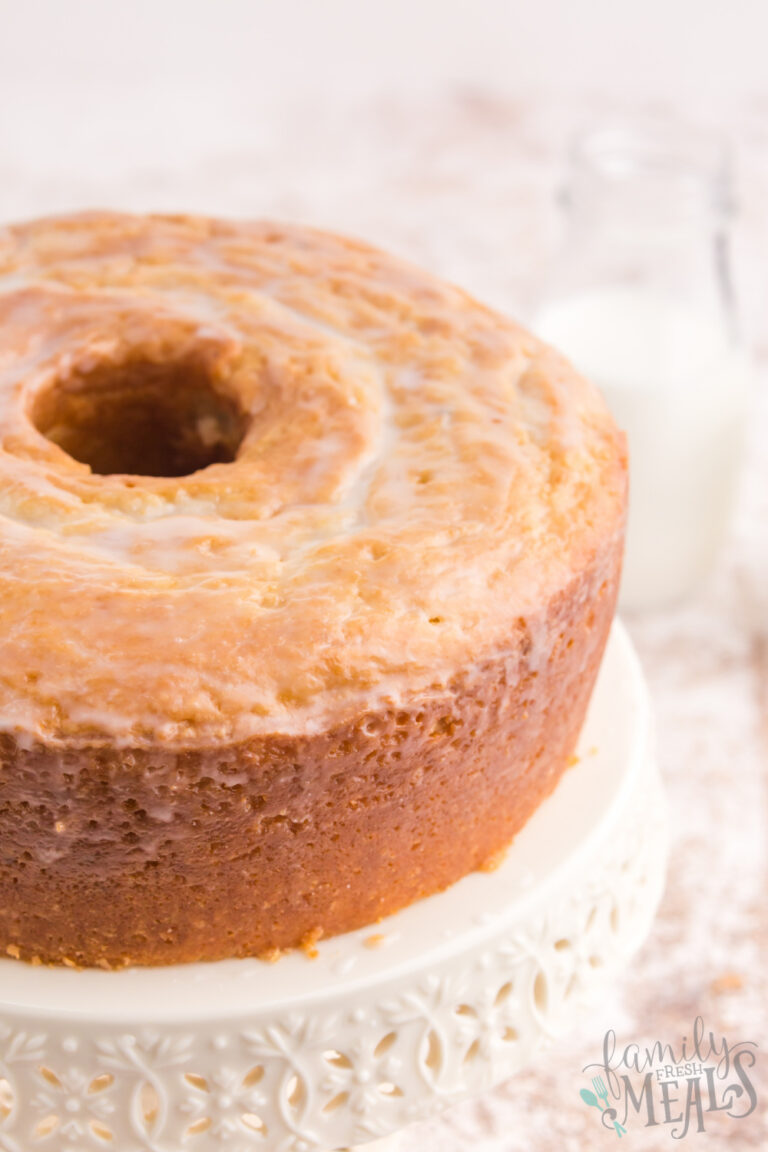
(142, 418)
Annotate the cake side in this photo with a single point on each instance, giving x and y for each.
(154, 856)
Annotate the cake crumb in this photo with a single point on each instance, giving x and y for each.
(308, 942)
(573, 761)
(374, 941)
(271, 956)
(494, 861)
(13, 950)
(728, 982)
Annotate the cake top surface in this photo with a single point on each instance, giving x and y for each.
(255, 476)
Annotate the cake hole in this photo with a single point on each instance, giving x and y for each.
(101, 1131)
(141, 418)
(504, 992)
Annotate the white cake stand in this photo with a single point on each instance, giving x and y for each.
(386, 1025)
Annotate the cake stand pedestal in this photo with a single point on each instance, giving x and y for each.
(384, 1026)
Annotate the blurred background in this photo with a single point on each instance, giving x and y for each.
(443, 130)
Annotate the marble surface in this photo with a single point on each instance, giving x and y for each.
(464, 183)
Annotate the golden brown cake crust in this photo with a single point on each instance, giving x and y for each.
(336, 658)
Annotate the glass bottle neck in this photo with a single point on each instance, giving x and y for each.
(648, 209)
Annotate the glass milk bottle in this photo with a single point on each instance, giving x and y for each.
(640, 300)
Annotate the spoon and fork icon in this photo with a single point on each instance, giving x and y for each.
(590, 1098)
